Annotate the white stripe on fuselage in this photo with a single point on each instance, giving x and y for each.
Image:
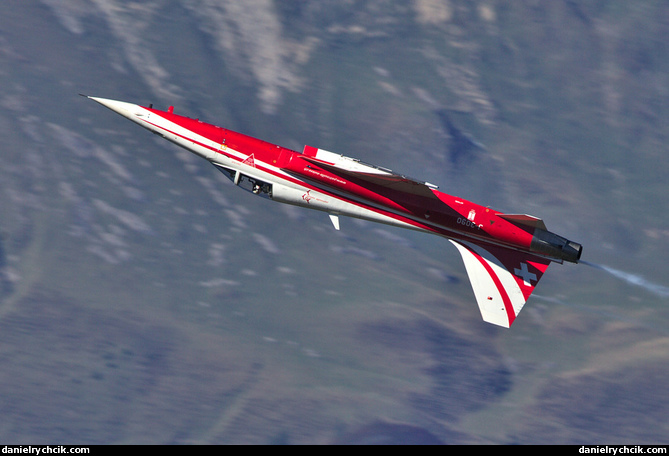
(228, 157)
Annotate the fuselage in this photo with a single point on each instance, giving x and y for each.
(340, 185)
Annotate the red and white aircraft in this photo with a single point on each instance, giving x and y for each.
(505, 254)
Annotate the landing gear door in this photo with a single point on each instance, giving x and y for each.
(248, 183)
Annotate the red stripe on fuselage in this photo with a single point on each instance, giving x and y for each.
(229, 134)
(444, 223)
(508, 306)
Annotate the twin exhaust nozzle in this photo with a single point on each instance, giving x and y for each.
(555, 246)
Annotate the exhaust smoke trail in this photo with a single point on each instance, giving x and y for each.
(633, 279)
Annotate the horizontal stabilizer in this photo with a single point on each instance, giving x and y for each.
(524, 219)
(502, 279)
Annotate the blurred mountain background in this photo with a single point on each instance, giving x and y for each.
(144, 299)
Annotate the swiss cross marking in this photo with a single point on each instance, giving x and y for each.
(524, 274)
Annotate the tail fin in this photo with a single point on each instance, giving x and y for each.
(502, 279)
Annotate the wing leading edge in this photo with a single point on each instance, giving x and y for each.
(381, 178)
(502, 279)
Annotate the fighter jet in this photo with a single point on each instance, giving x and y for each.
(505, 255)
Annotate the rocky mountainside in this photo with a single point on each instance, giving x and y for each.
(144, 299)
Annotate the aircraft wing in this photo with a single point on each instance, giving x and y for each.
(529, 221)
(381, 178)
(502, 279)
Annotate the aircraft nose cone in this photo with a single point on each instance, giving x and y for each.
(120, 107)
